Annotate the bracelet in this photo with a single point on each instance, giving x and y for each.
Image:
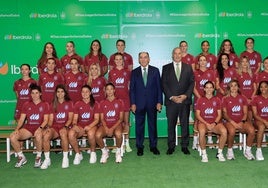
(41, 127)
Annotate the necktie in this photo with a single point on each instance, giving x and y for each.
(144, 76)
(178, 71)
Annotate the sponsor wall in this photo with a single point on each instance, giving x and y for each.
(153, 26)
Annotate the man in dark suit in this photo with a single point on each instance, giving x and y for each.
(178, 84)
(146, 98)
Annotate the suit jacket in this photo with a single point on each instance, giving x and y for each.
(148, 95)
(172, 87)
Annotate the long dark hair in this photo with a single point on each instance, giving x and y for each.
(100, 54)
(55, 99)
(220, 68)
(92, 100)
(259, 87)
(44, 54)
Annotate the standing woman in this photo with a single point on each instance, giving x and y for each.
(186, 57)
(263, 75)
(259, 107)
(60, 119)
(70, 53)
(49, 51)
(128, 60)
(253, 56)
(211, 58)
(85, 121)
(225, 74)
(96, 56)
(120, 77)
(111, 118)
(33, 119)
(201, 76)
(22, 90)
(235, 113)
(49, 80)
(209, 116)
(97, 82)
(247, 83)
(227, 47)
(74, 80)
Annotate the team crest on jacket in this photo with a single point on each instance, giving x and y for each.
(66, 107)
(116, 105)
(55, 78)
(214, 103)
(41, 109)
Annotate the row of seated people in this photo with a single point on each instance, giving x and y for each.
(69, 122)
(225, 117)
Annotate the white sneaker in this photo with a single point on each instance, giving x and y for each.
(37, 162)
(45, 164)
(104, 157)
(259, 156)
(128, 148)
(230, 155)
(78, 158)
(204, 158)
(220, 157)
(249, 155)
(21, 161)
(93, 157)
(118, 158)
(65, 162)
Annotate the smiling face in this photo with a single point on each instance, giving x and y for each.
(144, 59)
(177, 55)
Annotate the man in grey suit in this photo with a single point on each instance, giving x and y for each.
(178, 84)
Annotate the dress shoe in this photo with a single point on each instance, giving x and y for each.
(185, 151)
(155, 151)
(170, 151)
(140, 152)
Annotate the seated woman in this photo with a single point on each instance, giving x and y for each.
(111, 116)
(60, 119)
(259, 108)
(32, 121)
(235, 112)
(209, 116)
(85, 121)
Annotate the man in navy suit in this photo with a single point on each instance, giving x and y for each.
(178, 84)
(146, 99)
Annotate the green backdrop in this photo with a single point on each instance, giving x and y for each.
(153, 26)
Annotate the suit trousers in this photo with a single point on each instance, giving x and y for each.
(140, 117)
(174, 111)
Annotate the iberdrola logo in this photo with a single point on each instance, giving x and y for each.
(3, 68)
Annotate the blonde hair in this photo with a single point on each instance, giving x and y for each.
(239, 69)
(89, 81)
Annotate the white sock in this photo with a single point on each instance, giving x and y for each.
(118, 149)
(46, 155)
(230, 149)
(38, 154)
(248, 148)
(127, 141)
(104, 150)
(20, 154)
(204, 152)
(195, 139)
(258, 149)
(219, 150)
(210, 139)
(65, 154)
(58, 142)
